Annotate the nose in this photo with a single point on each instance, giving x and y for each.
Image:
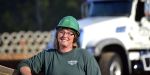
(65, 35)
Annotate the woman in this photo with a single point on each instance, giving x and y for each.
(66, 58)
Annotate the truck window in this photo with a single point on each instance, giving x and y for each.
(109, 8)
(139, 10)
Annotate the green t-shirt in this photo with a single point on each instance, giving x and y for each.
(75, 62)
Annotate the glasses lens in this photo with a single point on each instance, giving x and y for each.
(66, 33)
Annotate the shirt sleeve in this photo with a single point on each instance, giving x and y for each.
(91, 65)
(35, 63)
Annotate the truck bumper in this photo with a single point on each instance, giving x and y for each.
(146, 62)
(141, 66)
(137, 66)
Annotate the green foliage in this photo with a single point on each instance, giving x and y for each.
(34, 15)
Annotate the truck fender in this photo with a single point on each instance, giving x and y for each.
(112, 41)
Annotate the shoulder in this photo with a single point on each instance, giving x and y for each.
(80, 50)
(84, 52)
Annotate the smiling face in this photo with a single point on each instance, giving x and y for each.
(65, 38)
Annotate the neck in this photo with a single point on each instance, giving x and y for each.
(64, 49)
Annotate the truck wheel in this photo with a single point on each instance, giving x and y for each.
(110, 64)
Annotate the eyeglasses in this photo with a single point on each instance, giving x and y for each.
(67, 33)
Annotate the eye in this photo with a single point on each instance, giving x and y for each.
(70, 34)
(66, 33)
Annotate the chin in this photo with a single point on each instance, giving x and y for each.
(64, 44)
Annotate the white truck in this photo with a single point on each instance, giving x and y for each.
(112, 32)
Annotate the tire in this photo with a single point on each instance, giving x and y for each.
(110, 64)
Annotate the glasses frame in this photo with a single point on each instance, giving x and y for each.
(62, 32)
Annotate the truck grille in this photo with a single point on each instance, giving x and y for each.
(146, 62)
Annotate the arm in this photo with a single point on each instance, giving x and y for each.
(33, 64)
(91, 65)
(25, 70)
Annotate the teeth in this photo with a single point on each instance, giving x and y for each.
(64, 40)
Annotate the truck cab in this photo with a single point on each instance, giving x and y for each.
(112, 31)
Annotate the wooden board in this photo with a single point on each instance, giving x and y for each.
(7, 71)
(15, 56)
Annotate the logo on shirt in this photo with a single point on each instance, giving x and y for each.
(72, 62)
